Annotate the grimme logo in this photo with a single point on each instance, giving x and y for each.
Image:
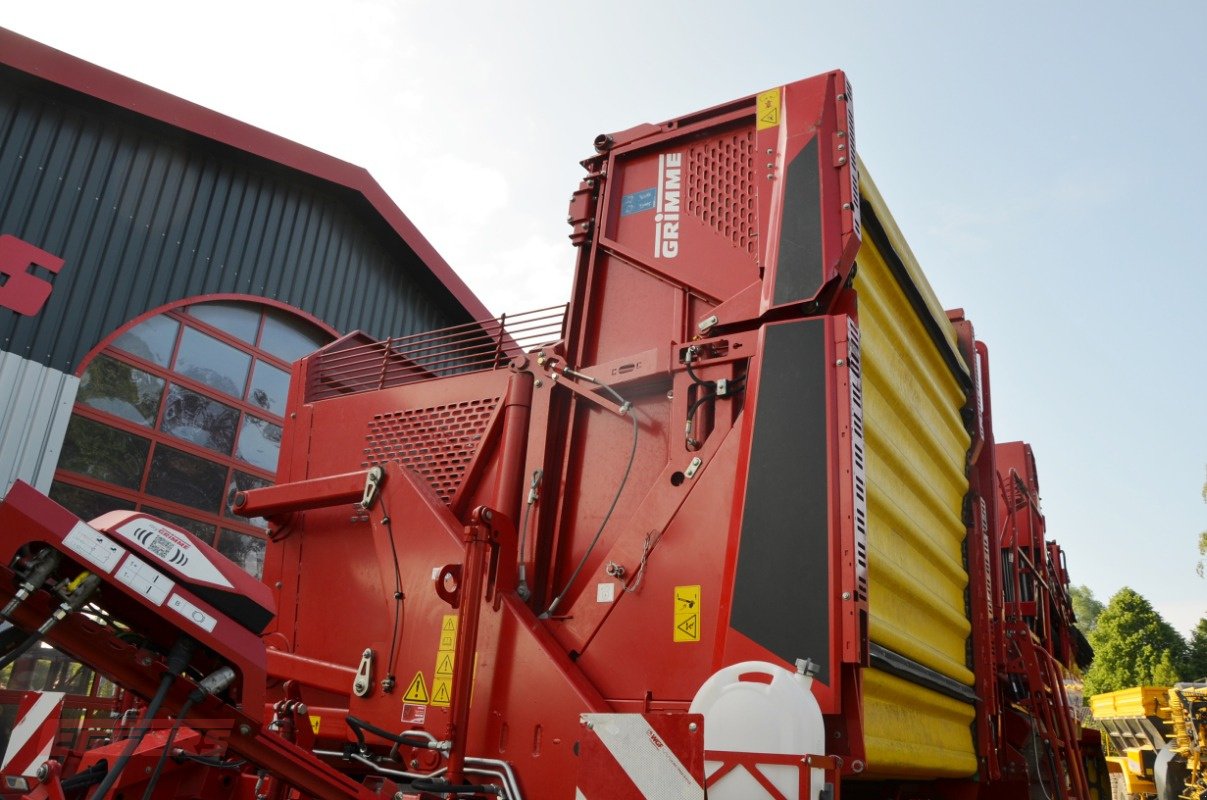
(666, 216)
(22, 289)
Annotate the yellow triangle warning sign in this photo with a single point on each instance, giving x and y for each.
(417, 691)
(444, 664)
(441, 694)
(450, 623)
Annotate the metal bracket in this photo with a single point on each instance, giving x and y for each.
(364, 674)
(372, 485)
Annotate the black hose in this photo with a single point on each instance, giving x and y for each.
(21, 649)
(94, 774)
(358, 725)
(178, 659)
(167, 748)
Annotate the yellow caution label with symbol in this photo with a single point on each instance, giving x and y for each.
(315, 723)
(768, 109)
(687, 614)
(442, 691)
(417, 691)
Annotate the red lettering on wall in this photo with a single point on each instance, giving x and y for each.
(20, 290)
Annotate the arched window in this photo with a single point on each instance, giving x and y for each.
(181, 409)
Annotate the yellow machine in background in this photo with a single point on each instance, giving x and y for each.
(1159, 740)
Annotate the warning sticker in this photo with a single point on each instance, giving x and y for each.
(315, 722)
(417, 691)
(768, 105)
(446, 656)
(442, 691)
(94, 546)
(687, 614)
(145, 579)
(413, 713)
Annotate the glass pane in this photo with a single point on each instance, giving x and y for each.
(269, 387)
(104, 453)
(200, 420)
(259, 443)
(241, 482)
(289, 338)
(237, 319)
(246, 551)
(84, 503)
(214, 363)
(186, 479)
(121, 390)
(198, 528)
(152, 340)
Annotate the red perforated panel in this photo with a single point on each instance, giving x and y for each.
(437, 443)
(720, 187)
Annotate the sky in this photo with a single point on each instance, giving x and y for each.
(1045, 161)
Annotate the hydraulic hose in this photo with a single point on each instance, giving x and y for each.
(83, 587)
(40, 569)
(358, 727)
(178, 659)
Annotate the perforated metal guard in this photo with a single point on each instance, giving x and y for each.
(720, 187)
(437, 443)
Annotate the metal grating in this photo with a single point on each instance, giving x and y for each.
(437, 443)
(720, 187)
(344, 368)
(858, 469)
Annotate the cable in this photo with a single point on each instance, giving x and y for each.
(167, 748)
(626, 408)
(398, 595)
(178, 659)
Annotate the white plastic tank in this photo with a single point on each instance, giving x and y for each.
(757, 707)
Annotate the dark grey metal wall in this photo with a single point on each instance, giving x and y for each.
(144, 213)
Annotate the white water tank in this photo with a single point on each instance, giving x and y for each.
(757, 707)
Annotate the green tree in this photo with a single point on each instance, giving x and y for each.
(1133, 646)
(1202, 540)
(1196, 655)
(1086, 607)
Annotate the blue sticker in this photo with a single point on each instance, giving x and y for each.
(638, 201)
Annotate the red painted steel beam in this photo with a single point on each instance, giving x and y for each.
(333, 490)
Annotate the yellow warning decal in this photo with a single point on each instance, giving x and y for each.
(768, 109)
(446, 656)
(687, 614)
(417, 691)
(442, 691)
(315, 722)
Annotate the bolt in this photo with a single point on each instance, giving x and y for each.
(538, 383)
(693, 727)
(846, 595)
(245, 729)
(670, 395)
(839, 362)
(43, 772)
(842, 161)
(770, 165)
(841, 134)
(842, 147)
(770, 177)
(487, 514)
(590, 726)
(846, 206)
(769, 151)
(145, 661)
(279, 584)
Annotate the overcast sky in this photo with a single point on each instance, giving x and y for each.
(1046, 161)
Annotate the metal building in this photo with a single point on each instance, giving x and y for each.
(160, 267)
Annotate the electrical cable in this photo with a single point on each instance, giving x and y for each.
(167, 747)
(626, 408)
(398, 595)
(178, 659)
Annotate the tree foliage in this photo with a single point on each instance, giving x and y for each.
(1196, 653)
(1134, 646)
(1202, 540)
(1086, 607)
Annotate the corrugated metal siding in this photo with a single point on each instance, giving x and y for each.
(35, 405)
(144, 214)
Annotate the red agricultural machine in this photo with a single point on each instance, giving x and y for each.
(733, 524)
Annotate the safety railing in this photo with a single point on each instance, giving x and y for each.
(349, 366)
